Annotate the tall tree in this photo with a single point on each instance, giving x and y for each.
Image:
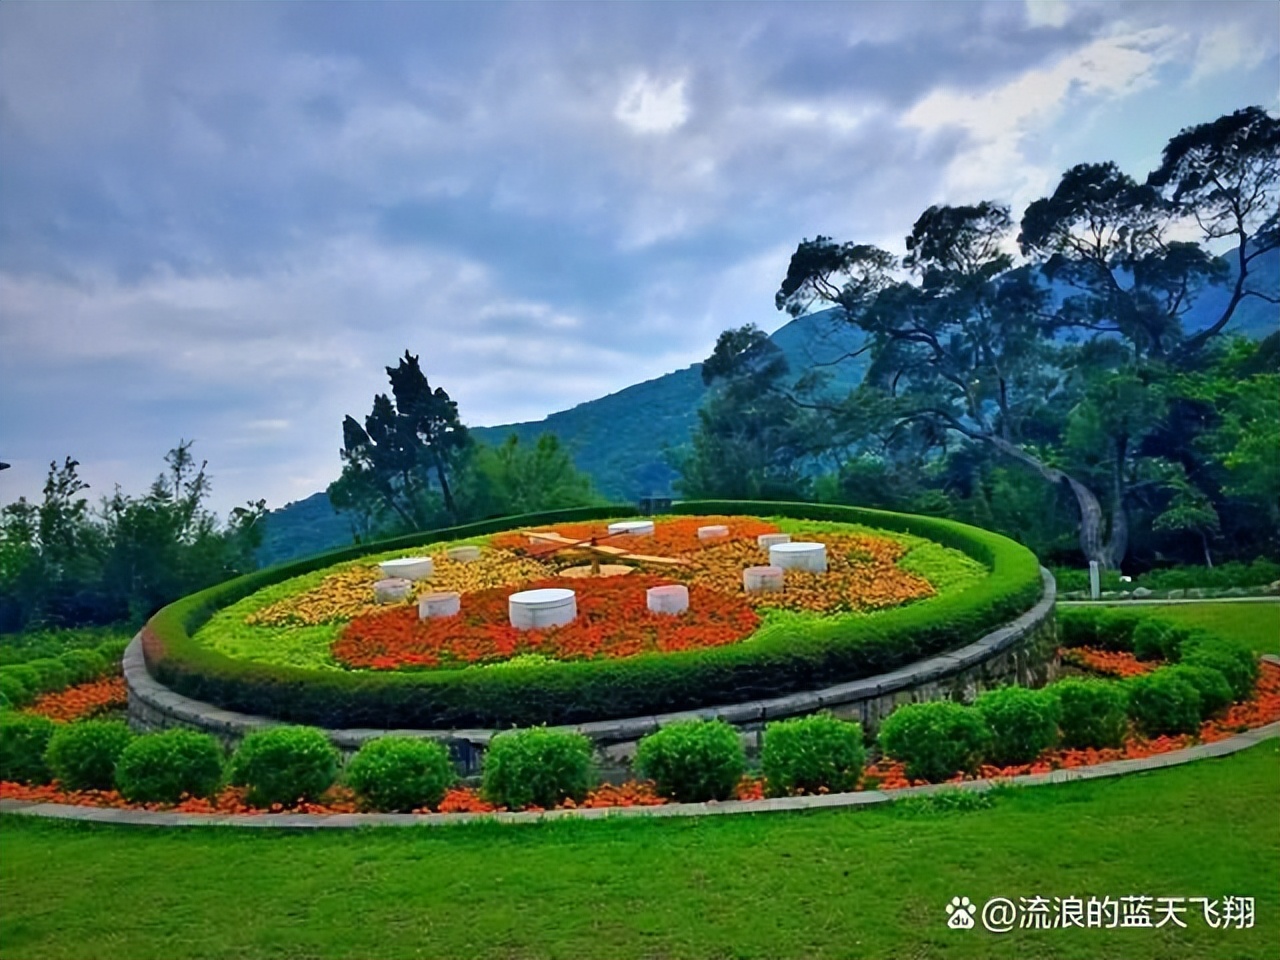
(403, 446)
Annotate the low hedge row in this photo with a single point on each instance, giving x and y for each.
(21, 683)
(775, 662)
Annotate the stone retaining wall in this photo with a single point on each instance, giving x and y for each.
(1023, 651)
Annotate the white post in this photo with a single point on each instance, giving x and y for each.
(1095, 585)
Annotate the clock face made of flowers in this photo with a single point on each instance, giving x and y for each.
(686, 590)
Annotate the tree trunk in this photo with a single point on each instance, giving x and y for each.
(449, 505)
(1090, 509)
(1204, 542)
(1118, 543)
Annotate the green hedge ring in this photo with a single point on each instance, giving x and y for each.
(772, 665)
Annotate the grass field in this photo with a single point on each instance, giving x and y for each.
(861, 883)
(864, 883)
(1257, 624)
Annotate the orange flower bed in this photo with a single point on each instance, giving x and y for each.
(1110, 663)
(1259, 710)
(613, 621)
(674, 536)
(82, 701)
(229, 800)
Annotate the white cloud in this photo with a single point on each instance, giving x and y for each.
(651, 106)
(1048, 13)
(1229, 48)
(997, 122)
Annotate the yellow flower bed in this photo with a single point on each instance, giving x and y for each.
(348, 594)
(861, 575)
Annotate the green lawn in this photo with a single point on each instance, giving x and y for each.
(860, 883)
(1257, 624)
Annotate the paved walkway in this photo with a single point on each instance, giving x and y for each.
(308, 821)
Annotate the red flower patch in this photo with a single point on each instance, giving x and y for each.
(613, 621)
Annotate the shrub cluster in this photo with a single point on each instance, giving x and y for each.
(936, 740)
(693, 761)
(21, 683)
(537, 767)
(777, 661)
(1233, 660)
(163, 767)
(23, 741)
(1164, 703)
(401, 773)
(810, 754)
(284, 765)
(83, 755)
(1091, 713)
(1023, 723)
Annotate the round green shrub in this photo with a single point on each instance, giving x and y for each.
(23, 740)
(84, 665)
(83, 755)
(804, 754)
(1023, 723)
(161, 767)
(1233, 660)
(1091, 713)
(53, 676)
(284, 765)
(536, 767)
(14, 690)
(1215, 692)
(1163, 703)
(1155, 640)
(112, 651)
(29, 679)
(401, 773)
(936, 740)
(693, 761)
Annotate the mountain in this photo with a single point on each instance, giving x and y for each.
(618, 440)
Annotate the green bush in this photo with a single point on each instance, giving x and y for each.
(27, 677)
(84, 665)
(1162, 703)
(1091, 713)
(14, 690)
(1215, 692)
(113, 652)
(1023, 723)
(936, 740)
(401, 773)
(53, 675)
(23, 740)
(1233, 660)
(1104, 628)
(693, 761)
(162, 767)
(805, 754)
(536, 767)
(284, 765)
(779, 659)
(1155, 640)
(83, 755)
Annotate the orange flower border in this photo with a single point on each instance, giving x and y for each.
(885, 775)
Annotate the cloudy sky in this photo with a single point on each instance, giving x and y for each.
(220, 222)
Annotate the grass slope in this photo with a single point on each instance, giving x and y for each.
(864, 883)
(1256, 624)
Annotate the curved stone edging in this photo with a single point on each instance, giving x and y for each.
(988, 661)
(829, 801)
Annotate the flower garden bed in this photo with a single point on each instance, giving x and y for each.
(882, 775)
(306, 644)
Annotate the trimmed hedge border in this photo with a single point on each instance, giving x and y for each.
(1115, 768)
(771, 665)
